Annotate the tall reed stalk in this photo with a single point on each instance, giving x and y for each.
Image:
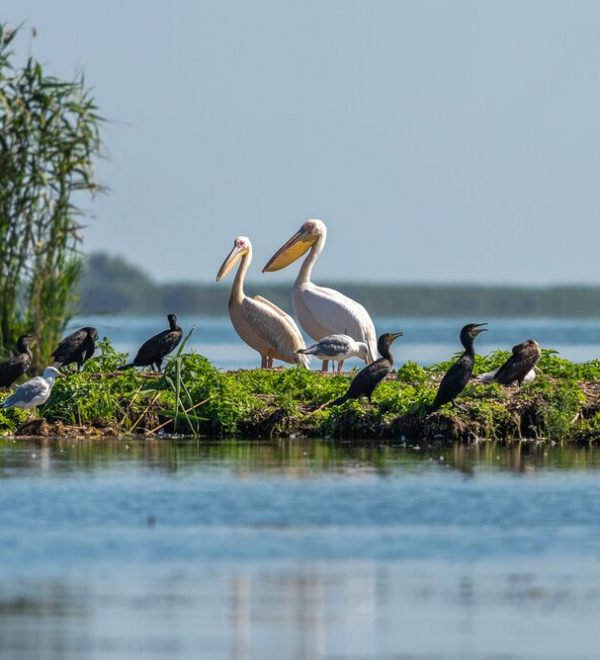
(49, 138)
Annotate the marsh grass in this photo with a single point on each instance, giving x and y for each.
(194, 398)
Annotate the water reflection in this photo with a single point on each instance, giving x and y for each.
(311, 610)
(304, 549)
(292, 458)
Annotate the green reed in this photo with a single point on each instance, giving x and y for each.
(49, 139)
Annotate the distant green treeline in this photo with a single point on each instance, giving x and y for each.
(110, 285)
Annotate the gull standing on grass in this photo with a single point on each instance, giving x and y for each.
(33, 392)
(337, 347)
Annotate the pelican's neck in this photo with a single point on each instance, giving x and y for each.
(237, 290)
(305, 272)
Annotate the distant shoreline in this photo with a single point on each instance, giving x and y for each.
(110, 285)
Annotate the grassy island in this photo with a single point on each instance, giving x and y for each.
(194, 398)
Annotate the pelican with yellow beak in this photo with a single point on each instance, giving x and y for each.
(322, 311)
(260, 323)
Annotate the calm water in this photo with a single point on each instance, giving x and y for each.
(424, 341)
(163, 549)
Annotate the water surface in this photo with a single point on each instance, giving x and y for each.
(425, 340)
(179, 549)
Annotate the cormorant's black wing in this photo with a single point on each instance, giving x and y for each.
(157, 347)
(12, 368)
(454, 381)
(70, 347)
(517, 366)
(367, 379)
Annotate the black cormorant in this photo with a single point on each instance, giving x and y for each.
(17, 365)
(456, 378)
(152, 351)
(78, 347)
(367, 379)
(520, 366)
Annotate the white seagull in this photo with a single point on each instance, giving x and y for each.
(337, 347)
(33, 392)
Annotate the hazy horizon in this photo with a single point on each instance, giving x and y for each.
(440, 142)
(258, 278)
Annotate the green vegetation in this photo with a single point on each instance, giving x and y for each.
(48, 141)
(194, 398)
(111, 285)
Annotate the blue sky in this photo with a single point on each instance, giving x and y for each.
(439, 141)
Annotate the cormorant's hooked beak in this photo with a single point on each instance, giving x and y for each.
(231, 260)
(293, 249)
(478, 329)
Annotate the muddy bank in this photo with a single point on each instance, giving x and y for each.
(507, 415)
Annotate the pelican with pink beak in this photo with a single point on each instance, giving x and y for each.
(260, 323)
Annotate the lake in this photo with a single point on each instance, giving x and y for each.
(121, 548)
(424, 341)
(170, 548)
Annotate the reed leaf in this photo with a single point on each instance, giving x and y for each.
(50, 137)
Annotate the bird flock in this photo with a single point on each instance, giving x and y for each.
(340, 327)
(78, 347)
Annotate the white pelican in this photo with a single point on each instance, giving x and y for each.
(260, 323)
(322, 311)
(337, 347)
(519, 368)
(33, 392)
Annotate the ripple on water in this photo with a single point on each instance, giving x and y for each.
(171, 549)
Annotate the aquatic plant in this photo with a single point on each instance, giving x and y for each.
(49, 138)
(192, 397)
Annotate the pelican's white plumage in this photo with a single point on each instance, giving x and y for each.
(259, 322)
(337, 347)
(322, 311)
(33, 392)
